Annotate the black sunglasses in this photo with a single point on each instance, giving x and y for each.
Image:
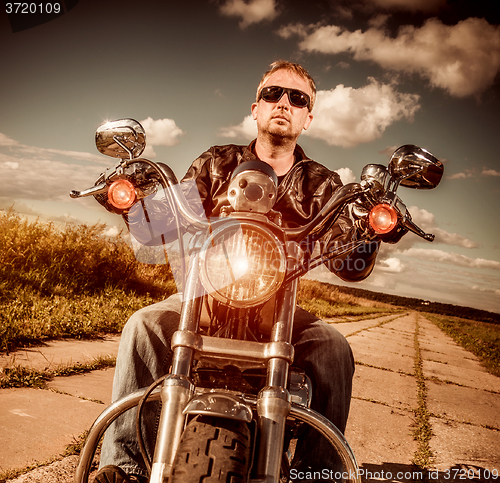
(275, 93)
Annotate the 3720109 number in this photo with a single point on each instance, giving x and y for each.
(470, 474)
(27, 8)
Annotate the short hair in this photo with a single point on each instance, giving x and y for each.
(293, 68)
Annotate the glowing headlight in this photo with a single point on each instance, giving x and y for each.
(242, 265)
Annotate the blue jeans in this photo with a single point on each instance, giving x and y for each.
(145, 355)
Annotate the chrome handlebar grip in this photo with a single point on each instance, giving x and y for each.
(95, 190)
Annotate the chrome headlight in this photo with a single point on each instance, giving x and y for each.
(242, 264)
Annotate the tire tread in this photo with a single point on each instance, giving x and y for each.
(213, 450)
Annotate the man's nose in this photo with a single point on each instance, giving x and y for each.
(284, 102)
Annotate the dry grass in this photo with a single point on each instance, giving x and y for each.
(480, 338)
(69, 282)
(73, 281)
(325, 300)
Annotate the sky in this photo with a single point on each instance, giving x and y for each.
(388, 73)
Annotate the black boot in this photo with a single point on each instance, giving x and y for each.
(114, 474)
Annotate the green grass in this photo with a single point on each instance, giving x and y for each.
(69, 281)
(74, 282)
(422, 432)
(325, 301)
(480, 338)
(18, 375)
(324, 309)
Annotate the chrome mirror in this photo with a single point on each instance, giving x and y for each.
(377, 175)
(124, 138)
(415, 167)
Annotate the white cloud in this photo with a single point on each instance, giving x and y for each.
(17, 206)
(390, 265)
(45, 174)
(16, 147)
(490, 172)
(7, 141)
(50, 174)
(46, 179)
(378, 21)
(247, 130)
(461, 175)
(346, 175)
(463, 59)
(452, 258)
(427, 222)
(252, 11)
(298, 29)
(346, 116)
(112, 232)
(474, 173)
(486, 289)
(160, 132)
(65, 218)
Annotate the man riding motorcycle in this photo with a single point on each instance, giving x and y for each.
(283, 108)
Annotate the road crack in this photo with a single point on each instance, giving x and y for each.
(422, 432)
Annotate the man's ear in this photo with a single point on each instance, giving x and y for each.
(254, 108)
(308, 121)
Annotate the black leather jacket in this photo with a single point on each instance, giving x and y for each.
(301, 195)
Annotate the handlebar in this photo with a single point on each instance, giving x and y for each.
(328, 214)
(95, 190)
(414, 228)
(317, 227)
(321, 223)
(405, 218)
(178, 200)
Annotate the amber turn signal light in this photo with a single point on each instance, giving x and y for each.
(121, 194)
(383, 218)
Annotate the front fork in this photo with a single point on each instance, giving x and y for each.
(273, 402)
(273, 407)
(177, 390)
(175, 394)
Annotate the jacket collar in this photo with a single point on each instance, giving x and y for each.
(300, 158)
(249, 153)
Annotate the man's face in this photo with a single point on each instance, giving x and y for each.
(281, 119)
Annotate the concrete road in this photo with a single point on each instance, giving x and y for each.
(461, 400)
(395, 356)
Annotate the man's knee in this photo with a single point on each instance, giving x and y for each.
(161, 317)
(335, 344)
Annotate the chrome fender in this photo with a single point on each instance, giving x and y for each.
(101, 424)
(220, 405)
(304, 414)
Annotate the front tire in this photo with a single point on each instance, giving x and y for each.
(213, 450)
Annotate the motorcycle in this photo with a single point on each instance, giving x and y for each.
(232, 360)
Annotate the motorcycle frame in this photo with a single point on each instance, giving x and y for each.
(272, 405)
(273, 402)
(410, 166)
